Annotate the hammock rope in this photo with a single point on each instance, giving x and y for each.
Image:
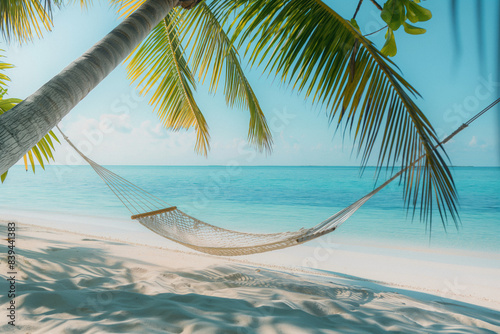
(172, 223)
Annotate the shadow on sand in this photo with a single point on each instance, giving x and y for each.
(67, 289)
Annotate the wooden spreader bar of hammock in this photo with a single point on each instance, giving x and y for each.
(153, 213)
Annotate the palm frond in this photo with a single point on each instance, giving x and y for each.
(3, 77)
(316, 51)
(212, 53)
(126, 7)
(159, 64)
(26, 19)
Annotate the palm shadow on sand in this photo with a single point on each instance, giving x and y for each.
(82, 289)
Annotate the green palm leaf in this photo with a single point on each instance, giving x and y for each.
(212, 53)
(312, 48)
(4, 78)
(159, 64)
(24, 19)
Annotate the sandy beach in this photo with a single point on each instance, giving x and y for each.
(70, 282)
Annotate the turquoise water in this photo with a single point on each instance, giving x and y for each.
(269, 199)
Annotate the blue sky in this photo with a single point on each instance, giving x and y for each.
(452, 88)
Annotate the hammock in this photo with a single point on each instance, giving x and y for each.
(171, 223)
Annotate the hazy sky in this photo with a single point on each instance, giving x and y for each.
(452, 88)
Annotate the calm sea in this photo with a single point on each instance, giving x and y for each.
(269, 199)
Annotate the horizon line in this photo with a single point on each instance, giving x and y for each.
(220, 165)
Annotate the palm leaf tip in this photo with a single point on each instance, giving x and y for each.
(213, 55)
(25, 20)
(159, 65)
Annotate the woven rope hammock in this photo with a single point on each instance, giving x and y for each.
(171, 223)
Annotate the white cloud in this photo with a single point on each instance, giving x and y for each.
(478, 143)
(473, 142)
(113, 139)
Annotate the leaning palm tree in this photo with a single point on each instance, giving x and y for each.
(306, 43)
(30, 120)
(42, 151)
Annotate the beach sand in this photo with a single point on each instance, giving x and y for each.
(70, 282)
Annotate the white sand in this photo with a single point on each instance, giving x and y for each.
(70, 282)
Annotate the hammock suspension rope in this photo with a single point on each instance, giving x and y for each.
(172, 223)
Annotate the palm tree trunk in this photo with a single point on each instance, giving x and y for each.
(25, 124)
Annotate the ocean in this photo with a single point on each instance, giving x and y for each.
(269, 199)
